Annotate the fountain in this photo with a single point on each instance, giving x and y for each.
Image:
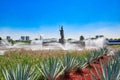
(96, 43)
(74, 45)
(68, 45)
(61, 44)
(4, 45)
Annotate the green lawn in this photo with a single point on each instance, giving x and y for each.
(114, 46)
(1, 57)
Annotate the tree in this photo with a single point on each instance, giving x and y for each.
(36, 38)
(81, 38)
(26, 41)
(107, 39)
(93, 38)
(118, 38)
(111, 39)
(69, 39)
(96, 36)
(101, 36)
(11, 41)
(0, 38)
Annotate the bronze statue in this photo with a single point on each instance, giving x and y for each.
(61, 40)
(62, 33)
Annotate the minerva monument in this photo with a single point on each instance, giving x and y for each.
(61, 40)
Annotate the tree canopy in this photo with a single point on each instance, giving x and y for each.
(0, 38)
(82, 38)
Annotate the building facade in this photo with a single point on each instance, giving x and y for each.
(24, 38)
(27, 38)
(8, 37)
(113, 42)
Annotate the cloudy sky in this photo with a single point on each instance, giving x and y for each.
(79, 17)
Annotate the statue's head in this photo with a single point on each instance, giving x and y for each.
(61, 27)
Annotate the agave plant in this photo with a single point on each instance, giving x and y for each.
(88, 59)
(80, 64)
(111, 71)
(117, 54)
(20, 73)
(69, 63)
(104, 50)
(50, 68)
(96, 54)
(99, 53)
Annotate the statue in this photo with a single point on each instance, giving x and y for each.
(62, 33)
(61, 40)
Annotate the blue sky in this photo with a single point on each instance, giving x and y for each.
(79, 17)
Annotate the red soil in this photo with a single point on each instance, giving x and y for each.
(86, 72)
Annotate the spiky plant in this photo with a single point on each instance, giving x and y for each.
(20, 73)
(111, 71)
(99, 53)
(117, 54)
(88, 60)
(80, 64)
(50, 68)
(69, 63)
(96, 54)
(104, 50)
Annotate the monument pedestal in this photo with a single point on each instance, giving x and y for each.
(82, 43)
(62, 41)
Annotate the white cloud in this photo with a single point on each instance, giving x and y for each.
(15, 34)
(71, 31)
(109, 30)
